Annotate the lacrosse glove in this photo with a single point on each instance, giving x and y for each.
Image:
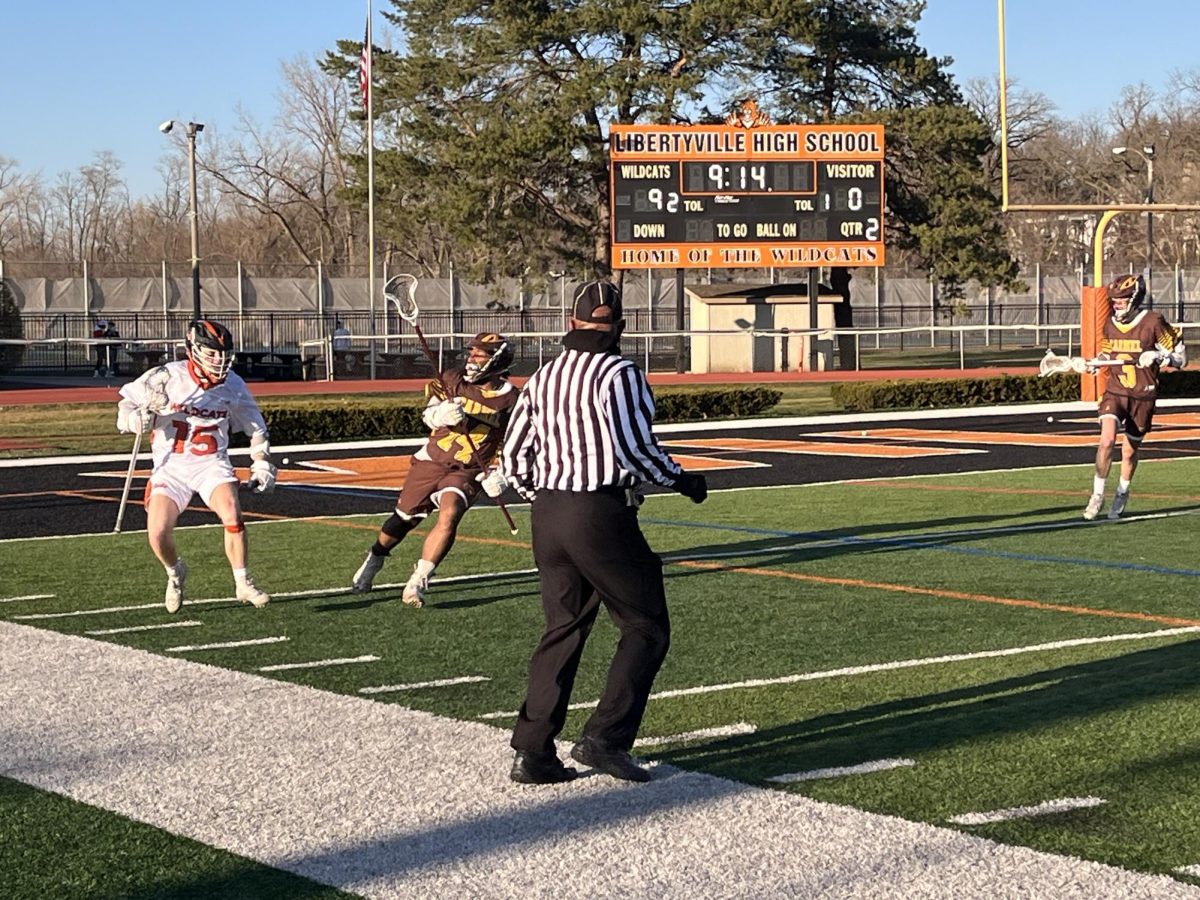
(446, 414)
(132, 419)
(494, 482)
(694, 487)
(262, 476)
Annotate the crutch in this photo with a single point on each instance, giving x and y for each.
(407, 309)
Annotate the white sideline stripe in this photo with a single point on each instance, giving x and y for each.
(417, 685)
(1049, 807)
(187, 623)
(225, 645)
(27, 597)
(890, 666)
(878, 765)
(697, 735)
(318, 663)
(30, 617)
(1193, 870)
(461, 828)
(279, 595)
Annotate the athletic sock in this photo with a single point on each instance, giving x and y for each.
(1123, 486)
(1098, 485)
(239, 575)
(424, 569)
(377, 549)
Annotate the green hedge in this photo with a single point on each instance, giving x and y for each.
(315, 423)
(867, 396)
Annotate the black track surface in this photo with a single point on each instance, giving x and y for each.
(69, 498)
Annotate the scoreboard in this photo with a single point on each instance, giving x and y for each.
(723, 196)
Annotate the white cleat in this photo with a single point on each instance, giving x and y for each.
(1120, 500)
(249, 592)
(365, 576)
(174, 596)
(1094, 505)
(414, 592)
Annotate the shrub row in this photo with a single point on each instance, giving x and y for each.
(866, 396)
(346, 421)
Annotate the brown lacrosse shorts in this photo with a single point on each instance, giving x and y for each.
(1135, 416)
(425, 483)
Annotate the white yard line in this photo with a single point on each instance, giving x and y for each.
(889, 666)
(38, 617)
(699, 734)
(1047, 808)
(419, 685)
(346, 810)
(27, 597)
(1193, 871)
(878, 765)
(225, 645)
(186, 623)
(319, 663)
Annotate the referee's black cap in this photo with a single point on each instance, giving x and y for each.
(598, 302)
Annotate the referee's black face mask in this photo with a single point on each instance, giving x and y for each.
(596, 319)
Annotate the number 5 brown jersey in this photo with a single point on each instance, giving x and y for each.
(1147, 331)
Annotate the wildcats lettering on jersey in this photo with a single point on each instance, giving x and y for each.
(201, 413)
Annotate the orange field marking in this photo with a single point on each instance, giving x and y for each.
(942, 594)
(1014, 438)
(818, 448)
(912, 486)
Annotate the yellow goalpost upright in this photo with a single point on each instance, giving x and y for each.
(1094, 304)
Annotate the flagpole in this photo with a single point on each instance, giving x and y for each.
(369, 50)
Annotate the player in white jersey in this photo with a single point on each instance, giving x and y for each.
(190, 406)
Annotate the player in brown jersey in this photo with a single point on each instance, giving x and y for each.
(1146, 341)
(467, 413)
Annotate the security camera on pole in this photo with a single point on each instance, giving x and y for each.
(193, 128)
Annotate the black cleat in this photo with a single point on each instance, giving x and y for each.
(539, 768)
(616, 763)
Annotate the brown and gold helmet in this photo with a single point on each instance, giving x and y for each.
(500, 357)
(1126, 295)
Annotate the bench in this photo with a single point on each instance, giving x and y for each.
(268, 364)
(144, 359)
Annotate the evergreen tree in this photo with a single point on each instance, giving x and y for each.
(494, 118)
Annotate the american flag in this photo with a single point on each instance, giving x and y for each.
(364, 69)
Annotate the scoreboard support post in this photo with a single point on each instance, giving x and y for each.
(681, 361)
(814, 300)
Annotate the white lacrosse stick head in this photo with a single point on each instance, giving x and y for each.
(401, 290)
(157, 400)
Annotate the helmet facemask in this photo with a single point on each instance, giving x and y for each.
(1126, 295)
(210, 349)
(499, 358)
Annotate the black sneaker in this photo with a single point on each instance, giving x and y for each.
(616, 763)
(539, 768)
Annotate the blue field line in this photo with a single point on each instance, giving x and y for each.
(342, 492)
(934, 541)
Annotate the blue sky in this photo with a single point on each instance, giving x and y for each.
(80, 77)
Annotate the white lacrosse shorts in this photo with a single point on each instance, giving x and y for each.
(183, 477)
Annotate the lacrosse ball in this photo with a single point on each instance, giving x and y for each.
(864, 434)
(286, 460)
(1049, 418)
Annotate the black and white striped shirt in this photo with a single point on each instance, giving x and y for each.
(583, 422)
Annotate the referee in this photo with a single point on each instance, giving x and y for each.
(579, 444)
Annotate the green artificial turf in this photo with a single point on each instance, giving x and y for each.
(766, 586)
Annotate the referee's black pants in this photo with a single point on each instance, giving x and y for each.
(590, 550)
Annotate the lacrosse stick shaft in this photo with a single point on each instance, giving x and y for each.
(512, 526)
(133, 457)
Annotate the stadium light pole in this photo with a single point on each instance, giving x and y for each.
(1147, 154)
(193, 129)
